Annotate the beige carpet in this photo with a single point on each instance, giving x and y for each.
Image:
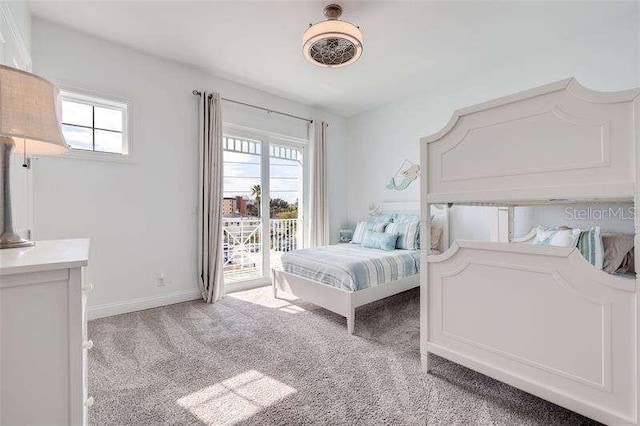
(251, 359)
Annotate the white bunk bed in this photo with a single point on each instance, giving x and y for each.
(344, 302)
(541, 319)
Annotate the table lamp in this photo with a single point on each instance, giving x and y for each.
(29, 122)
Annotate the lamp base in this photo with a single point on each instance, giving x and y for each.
(12, 240)
(8, 238)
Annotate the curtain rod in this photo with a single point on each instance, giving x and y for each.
(269, 111)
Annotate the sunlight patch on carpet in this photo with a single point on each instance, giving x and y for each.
(235, 399)
(291, 309)
(283, 303)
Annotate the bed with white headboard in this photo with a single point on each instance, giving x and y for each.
(344, 302)
(540, 318)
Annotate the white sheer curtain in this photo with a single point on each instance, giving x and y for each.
(319, 223)
(210, 275)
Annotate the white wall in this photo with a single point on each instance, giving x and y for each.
(603, 59)
(140, 217)
(22, 19)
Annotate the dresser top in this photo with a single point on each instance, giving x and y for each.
(45, 256)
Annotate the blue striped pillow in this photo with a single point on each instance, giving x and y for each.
(407, 234)
(363, 227)
(591, 246)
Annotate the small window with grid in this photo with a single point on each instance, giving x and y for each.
(93, 124)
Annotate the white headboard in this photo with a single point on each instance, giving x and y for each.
(559, 141)
(400, 207)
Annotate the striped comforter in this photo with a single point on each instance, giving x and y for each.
(351, 267)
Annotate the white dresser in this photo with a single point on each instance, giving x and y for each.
(43, 334)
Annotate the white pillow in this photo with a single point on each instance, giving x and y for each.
(556, 237)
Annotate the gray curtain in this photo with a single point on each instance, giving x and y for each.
(319, 223)
(210, 198)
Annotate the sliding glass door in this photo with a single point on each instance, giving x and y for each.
(264, 205)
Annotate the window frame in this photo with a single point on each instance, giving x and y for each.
(100, 100)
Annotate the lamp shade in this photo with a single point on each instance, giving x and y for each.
(29, 111)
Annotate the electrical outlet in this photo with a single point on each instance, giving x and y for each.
(161, 281)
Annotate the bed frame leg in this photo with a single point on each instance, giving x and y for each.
(424, 358)
(273, 284)
(350, 324)
(351, 320)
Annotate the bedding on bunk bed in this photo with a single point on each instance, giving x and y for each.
(352, 267)
(611, 252)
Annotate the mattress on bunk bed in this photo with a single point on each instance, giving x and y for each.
(351, 267)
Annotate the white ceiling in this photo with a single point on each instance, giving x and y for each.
(408, 46)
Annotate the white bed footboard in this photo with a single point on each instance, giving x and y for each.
(539, 318)
(337, 300)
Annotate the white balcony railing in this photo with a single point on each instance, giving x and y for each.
(242, 245)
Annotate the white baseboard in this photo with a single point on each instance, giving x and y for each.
(139, 304)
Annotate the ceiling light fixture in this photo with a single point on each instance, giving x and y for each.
(332, 43)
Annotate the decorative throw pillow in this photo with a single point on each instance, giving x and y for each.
(591, 246)
(406, 217)
(556, 237)
(362, 227)
(380, 218)
(379, 240)
(616, 249)
(407, 234)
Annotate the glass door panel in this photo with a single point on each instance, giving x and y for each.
(242, 224)
(286, 200)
